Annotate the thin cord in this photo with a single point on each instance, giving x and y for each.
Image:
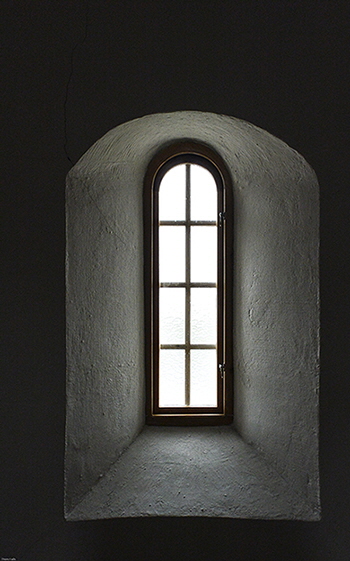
(78, 44)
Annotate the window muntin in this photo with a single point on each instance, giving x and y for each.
(189, 360)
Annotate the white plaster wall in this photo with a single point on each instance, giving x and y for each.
(105, 364)
(275, 336)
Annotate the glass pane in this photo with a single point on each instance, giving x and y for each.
(203, 378)
(171, 316)
(203, 316)
(172, 253)
(203, 194)
(171, 378)
(203, 254)
(172, 194)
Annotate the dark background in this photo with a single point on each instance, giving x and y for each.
(74, 70)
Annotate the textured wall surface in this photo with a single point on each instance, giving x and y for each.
(275, 292)
(104, 324)
(181, 471)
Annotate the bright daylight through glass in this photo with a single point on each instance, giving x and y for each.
(188, 236)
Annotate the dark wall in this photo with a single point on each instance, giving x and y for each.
(74, 70)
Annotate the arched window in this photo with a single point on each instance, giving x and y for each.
(188, 286)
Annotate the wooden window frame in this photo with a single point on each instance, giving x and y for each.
(189, 152)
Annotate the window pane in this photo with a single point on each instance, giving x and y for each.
(203, 378)
(203, 194)
(171, 316)
(203, 254)
(171, 253)
(203, 316)
(171, 378)
(172, 194)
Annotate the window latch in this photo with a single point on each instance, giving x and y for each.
(222, 217)
(222, 369)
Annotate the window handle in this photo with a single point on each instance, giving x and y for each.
(222, 369)
(222, 217)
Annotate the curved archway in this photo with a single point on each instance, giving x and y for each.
(276, 327)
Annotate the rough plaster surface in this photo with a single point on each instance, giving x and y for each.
(275, 336)
(192, 472)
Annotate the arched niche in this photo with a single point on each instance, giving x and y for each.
(266, 464)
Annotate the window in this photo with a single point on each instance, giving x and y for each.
(188, 286)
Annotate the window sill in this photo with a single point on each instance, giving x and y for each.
(205, 419)
(182, 471)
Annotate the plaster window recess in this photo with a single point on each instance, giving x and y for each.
(264, 465)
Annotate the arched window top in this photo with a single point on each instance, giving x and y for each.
(192, 152)
(203, 191)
